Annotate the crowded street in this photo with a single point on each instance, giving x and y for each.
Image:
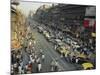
(43, 41)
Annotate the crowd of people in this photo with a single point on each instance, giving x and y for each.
(86, 50)
(33, 64)
(36, 58)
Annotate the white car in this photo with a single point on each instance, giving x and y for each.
(40, 29)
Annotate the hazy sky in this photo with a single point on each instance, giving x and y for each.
(27, 6)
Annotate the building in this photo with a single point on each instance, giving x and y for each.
(18, 28)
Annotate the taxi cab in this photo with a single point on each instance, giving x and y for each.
(62, 50)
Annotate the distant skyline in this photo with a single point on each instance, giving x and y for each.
(26, 6)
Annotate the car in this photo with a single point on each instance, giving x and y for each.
(58, 42)
(52, 37)
(68, 41)
(63, 50)
(40, 29)
(47, 36)
(44, 32)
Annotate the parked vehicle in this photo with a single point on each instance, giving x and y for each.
(40, 29)
(62, 50)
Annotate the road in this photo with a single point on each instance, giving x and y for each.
(50, 54)
(48, 49)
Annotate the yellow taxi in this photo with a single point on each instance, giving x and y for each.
(63, 50)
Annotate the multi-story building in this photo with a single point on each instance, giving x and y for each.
(18, 28)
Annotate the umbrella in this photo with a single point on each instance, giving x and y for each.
(87, 65)
(82, 56)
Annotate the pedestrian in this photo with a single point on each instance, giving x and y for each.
(21, 63)
(15, 68)
(22, 71)
(73, 59)
(30, 57)
(35, 56)
(33, 48)
(26, 68)
(43, 57)
(56, 66)
(30, 66)
(68, 58)
(41, 51)
(39, 67)
(55, 47)
(71, 56)
(52, 65)
(61, 55)
(34, 42)
(52, 68)
(12, 71)
(25, 48)
(38, 60)
(76, 60)
(31, 51)
(17, 58)
(19, 69)
(33, 60)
